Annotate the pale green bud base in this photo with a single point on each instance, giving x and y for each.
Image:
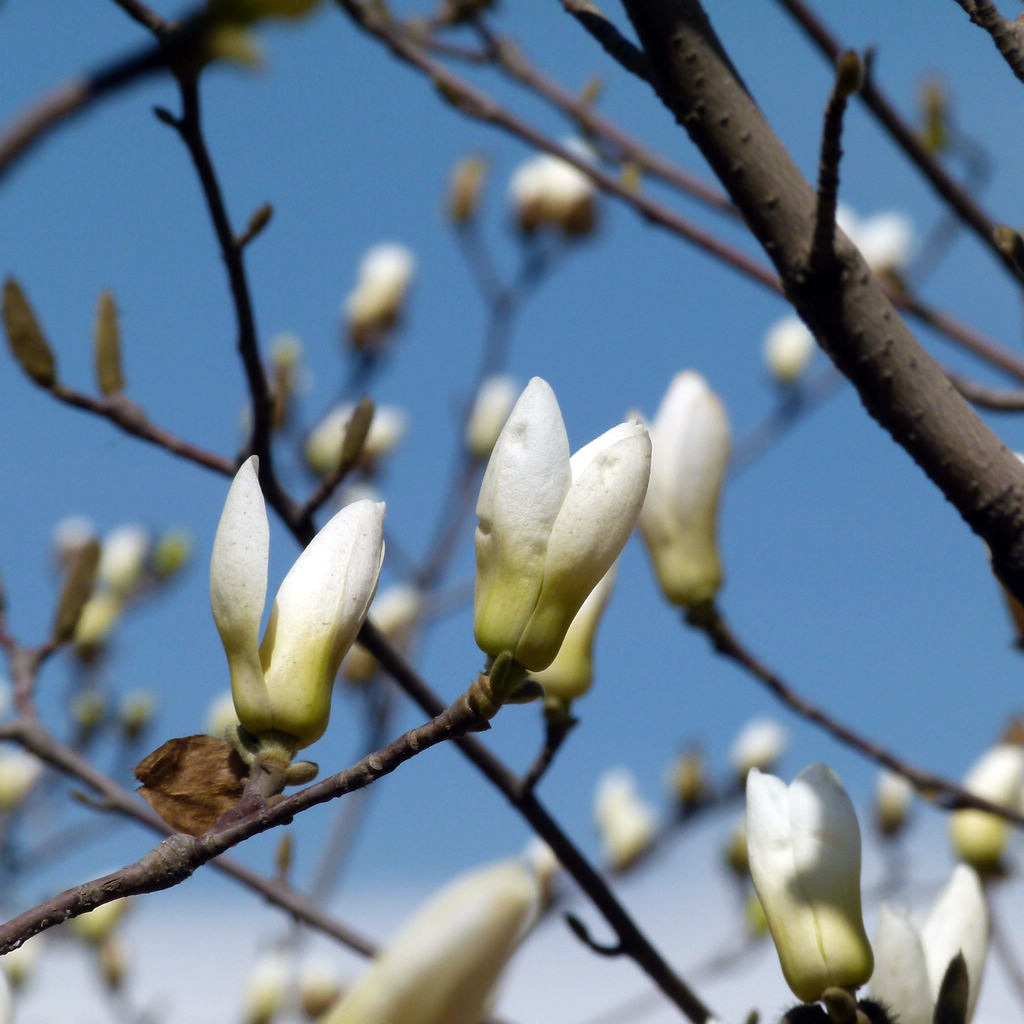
(502, 682)
(270, 758)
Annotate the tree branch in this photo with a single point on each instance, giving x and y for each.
(900, 384)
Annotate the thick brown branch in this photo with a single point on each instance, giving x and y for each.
(900, 384)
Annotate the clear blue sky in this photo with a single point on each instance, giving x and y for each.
(846, 570)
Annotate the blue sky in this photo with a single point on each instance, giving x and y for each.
(845, 568)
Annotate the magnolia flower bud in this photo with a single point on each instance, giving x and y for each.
(893, 794)
(324, 443)
(284, 684)
(627, 824)
(788, 348)
(491, 409)
(569, 676)
(912, 961)
(444, 962)
(136, 712)
(319, 989)
(547, 191)
(760, 744)
(122, 558)
(690, 439)
(19, 772)
(98, 925)
(981, 838)
(546, 866)
(395, 613)
(884, 240)
(94, 626)
(18, 966)
(736, 856)
(70, 535)
(464, 189)
(687, 780)
(804, 848)
(266, 989)
(171, 553)
(550, 526)
(375, 304)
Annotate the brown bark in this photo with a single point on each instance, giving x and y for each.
(900, 384)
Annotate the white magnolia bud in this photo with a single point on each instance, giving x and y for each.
(266, 989)
(19, 965)
(375, 304)
(546, 191)
(803, 843)
(679, 520)
(912, 961)
(627, 824)
(546, 866)
(395, 612)
(98, 925)
(569, 676)
(760, 744)
(981, 838)
(788, 348)
(70, 535)
(319, 989)
(885, 240)
(122, 559)
(284, 684)
(324, 443)
(96, 622)
(19, 772)
(550, 526)
(491, 409)
(443, 964)
(893, 794)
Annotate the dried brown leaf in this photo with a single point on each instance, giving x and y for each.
(191, 781)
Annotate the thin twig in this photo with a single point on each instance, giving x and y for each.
(994, 399)
(848, 79)
(145, 16)
(634, 943)
(612, 41)
(958, 198)
(511, 60)
(470, 101)
(132, 420)
(937, 790)
(189, 127)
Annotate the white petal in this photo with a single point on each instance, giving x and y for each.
(958, 922)
(238, 590)
(599, 512)
(690, 439)
(901, 973)
(315, 617)
(523, 488)
(443, 964)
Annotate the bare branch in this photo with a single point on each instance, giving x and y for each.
(958, 198)
(900, 384)
(1006, 34)
(612, 41)
(933, 788)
